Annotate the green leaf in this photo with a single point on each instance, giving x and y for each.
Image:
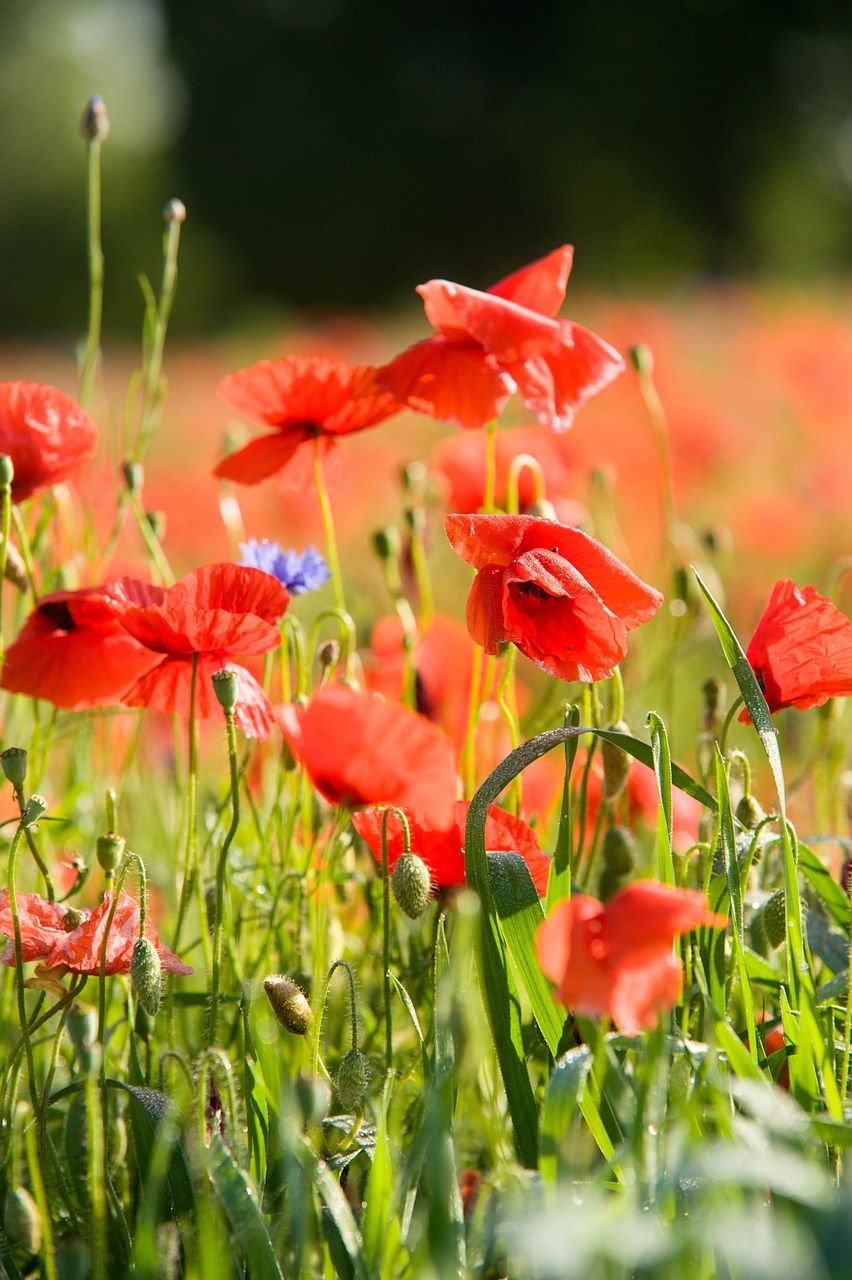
(149, 1110)
(239, 1202)
(564, 1094)
(520, 913)
(342, 1219)
(663, 770)
(415, 1022)
(384, 1251)
(559, 880)
(824, 885)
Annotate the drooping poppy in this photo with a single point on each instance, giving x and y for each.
(45, 433)
(58, 936)
(443, 851)
(801, 650)
(306, 399)
(359, 750)
(216, 614)
(73, 651)
(490, 344)
(560, 596)
(616, 960)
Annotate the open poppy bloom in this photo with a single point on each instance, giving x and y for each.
(45, 433)
(56, 935)
(360, 750)
(305, 399)
(801, 651)
(561, 597)
(73, 651)
(443, 851)
(507, 339)
(616, 960)
(216, 614)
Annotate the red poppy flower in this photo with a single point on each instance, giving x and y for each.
(359, 750)
(305, 399)
(218, 613)
(643, 803)
(45, 433)
(443, 661)
(45, 935)
(443, 851)
(490, 344)
(616, 960)
(74, 652)
(801, 651)
(561, 597)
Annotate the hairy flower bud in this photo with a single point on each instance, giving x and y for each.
(146, 975)
(642, 359)
(412, 884)
(542, 509)
(328, 653)
(619, 851)
(749, 812)
(775, 918)
(387, 543)
(353, 1076)
(289, 1004)
(7, 471)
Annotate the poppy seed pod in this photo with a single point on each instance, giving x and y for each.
(35, 807)
(411, 884)
(226, 686)
(353, 1076)
(110, 850)
(289, 1004)
(749, 812)
(14, 763)
(146, 975)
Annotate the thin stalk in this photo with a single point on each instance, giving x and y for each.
(220, 876)
(152, 392)
(6, 474)
(328, 526)
(189, 849)
(386, 943)
(19, 964)
(91, 358)
(728, 721)
(507, 704)
(488, 500)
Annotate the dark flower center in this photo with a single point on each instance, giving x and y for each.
(57, 612)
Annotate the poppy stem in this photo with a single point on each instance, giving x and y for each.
(488, 500)
(728, 721)
(328, 526)
(220, 876)
(92, 355)
(189, 850)
(6, 477)
(643, 365)
(19, 962)
(353, 1019)
(386, 941)
(507, 704)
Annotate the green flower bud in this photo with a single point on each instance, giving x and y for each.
(7, 471)
(328, 653)
(146, 975)
(642, 360)
(226, 686)
(14, 762)
(289, 1004)
(353, 1076)
(157, 521)
(542, 509)
(110, 850)
(412, 884)
(134, 476)
(775, 918)
(174, 211)
(22, 1221)
(749, 812)
(387, 543)
(94, 122)
(619, 851)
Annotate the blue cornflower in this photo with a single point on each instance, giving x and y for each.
(297, 572)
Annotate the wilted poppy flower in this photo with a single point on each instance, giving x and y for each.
(45, 433)
(801, 651)
(305, 399)
(491, 344)
(56, 935)
(561, 597)
(617, 960)
(217, 613)
(359, 750)
(443, 851)
(74, 652)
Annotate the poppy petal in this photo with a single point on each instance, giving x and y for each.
(261, 458)
(45, 433)
(555, 382)
(541, 285)
(801, 649)
(168, 687)
(450, 381)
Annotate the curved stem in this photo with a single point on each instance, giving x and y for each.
(328, 526)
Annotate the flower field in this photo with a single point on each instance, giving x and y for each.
(427, 790)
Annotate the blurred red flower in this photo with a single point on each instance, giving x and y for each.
(359, 750)
(219, 613)
(46, 935)
(443, 662)
(73, 651)
(616, 960)
(491, 344)
(305, 399)
(561, 597)
(643, 802)
(45, 433)
(443, 851)
(801, 651)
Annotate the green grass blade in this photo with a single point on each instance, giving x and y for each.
(663, 770)
(240, 1205)
(564, 1094)
(384, 1251)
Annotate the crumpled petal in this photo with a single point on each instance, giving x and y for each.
(80, 950)
(45, 433)
(450, 381)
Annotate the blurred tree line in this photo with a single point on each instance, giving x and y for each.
(334, 153)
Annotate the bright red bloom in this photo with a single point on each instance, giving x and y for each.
(45, 935)
(359, 750)
(74, 652)
(219, 612)
(45, 433)
(305, 399)
(443, 662)
(491, 344)
(616, 960)
(561, 597)
(801, 651)
(443, 851)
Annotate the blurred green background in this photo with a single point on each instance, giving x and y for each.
(334, 153)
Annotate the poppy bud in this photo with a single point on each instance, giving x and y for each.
(134, 476)
(7, 471)
(14, 762)
(174, 211)
(157, 521)
(387, 543)
(33, 810)
(413, 476)
(94, 122)
(289, 1004)
(353, 1076)
(642, 360)
(83, 1030)
(775, 918)
(542, 509)
(22, 1221)
(226, 686)
(714, 692)
(412, 884)
(619, 859)
(110, 851)
(749, 812)
(146, 975)
(77, 1139)
(846, 875)
(328, 654)
(616, 765)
